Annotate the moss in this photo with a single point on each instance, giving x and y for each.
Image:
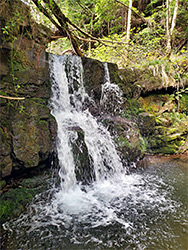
(2, 184)
(123, 142)
(21, 61)
(172, 131)
(132, 107)
(14, 201)
(184, 103)
(153, 103)
(170, 149)
(172, 137)
(180, 143)
(3, 136)
(143, 144)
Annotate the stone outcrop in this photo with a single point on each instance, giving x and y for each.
(28, 130)
(142, 82)
(129, 142)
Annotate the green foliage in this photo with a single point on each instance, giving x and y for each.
(59, 46)
(12, 25)
(132, 109)
(104, 18)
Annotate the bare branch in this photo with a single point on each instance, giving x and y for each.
(12, 98)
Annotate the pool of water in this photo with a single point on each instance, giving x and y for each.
(142, 210)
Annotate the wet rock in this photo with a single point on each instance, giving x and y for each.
(93, 77)
(146, 123)
(2, 184)
(5, 146)
(4, 62)
(83, 162)
(28, 130)
(32, 138)
(127, 137)
(18, 195)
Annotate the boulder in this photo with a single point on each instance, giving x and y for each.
(129, 142)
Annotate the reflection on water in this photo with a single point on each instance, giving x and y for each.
(144, 210)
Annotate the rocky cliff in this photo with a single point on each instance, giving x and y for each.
(28, 130)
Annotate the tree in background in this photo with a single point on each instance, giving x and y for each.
(101, 28)
(169, 31)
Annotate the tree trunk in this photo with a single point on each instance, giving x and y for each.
(168, 36)
(128, 31)
(62, 19)
(174, 17)
(169, 31)
(129, 21)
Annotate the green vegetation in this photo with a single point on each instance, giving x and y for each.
(98, 29)
(15, 199)
(13, 202)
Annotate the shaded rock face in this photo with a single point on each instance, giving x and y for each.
(171, 127)
(142, 82)
(93, 79)
(28, 131)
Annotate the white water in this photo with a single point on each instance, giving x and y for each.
(111, 97)
(117, 210)
(67, 108)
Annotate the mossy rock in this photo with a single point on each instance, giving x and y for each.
(166, 140)
(2, 184)
(169, 149)
(184, 103)
(146, 123)
(131, 109)
(127, 138)
(5, 149)
(128, 75)
(34, 131)
(14, 201)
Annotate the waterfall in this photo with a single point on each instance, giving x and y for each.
(111, 97)
(101, 202)
(112, 209)
(68, 98)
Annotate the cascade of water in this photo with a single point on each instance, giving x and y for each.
(117, 210)
(111, 97)
(67, 101)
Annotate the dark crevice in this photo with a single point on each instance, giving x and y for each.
(163, 91)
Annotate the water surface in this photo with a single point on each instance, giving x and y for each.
(143, 210)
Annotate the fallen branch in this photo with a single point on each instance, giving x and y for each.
(12, 98)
